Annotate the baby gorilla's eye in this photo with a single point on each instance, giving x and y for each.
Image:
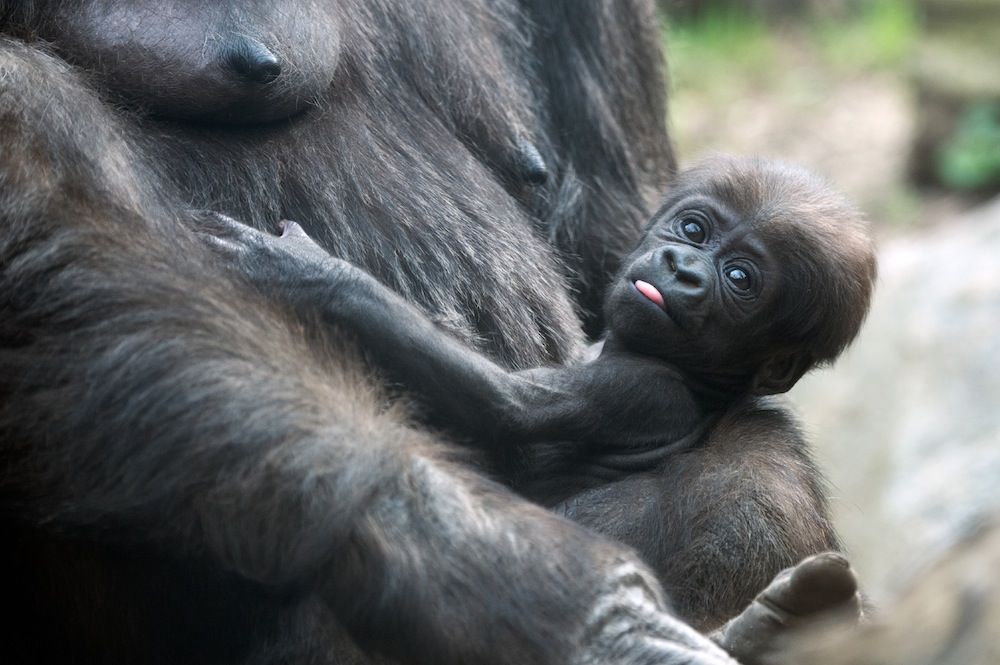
(739, 278)
(694, 231)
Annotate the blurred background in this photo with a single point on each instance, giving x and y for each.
(897, 103)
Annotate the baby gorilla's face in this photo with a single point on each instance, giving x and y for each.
(698, 289)
(752, 272)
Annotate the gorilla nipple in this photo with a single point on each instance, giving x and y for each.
(530, 163)
(253, 61)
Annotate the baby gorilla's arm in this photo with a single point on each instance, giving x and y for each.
(606, 401)
(460, 388)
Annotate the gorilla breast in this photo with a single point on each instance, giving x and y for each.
(204, 60)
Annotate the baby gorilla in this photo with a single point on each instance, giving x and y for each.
(751, 273)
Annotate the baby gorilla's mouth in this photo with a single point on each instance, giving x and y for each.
(650, 292)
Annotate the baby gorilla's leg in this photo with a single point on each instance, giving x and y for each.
(819, 585)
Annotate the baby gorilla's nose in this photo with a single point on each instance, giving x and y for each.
(686, 265)
(253, 61)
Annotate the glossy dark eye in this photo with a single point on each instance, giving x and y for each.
(739, 278)
(693, 230)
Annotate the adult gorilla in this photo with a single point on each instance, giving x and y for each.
(181, 479)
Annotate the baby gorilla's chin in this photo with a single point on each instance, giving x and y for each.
(638, 319)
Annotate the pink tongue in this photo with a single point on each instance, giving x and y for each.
(649, 291)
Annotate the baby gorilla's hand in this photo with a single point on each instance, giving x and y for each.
(290, 262)
(244, 244)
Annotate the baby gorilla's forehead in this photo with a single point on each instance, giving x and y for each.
(749, 184)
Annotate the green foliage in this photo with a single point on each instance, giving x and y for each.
(720, 45)
(970, 159)
(730, 41)
(740, 68)
(879, 35)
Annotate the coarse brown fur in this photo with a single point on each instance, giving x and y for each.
(183, 481)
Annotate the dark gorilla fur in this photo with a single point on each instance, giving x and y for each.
(183, 481)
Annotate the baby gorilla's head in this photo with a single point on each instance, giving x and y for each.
(751, 273)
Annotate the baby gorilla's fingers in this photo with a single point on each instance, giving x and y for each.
(819, 585)
(222, 247)
(219, 225)
(290, 228)
(285, 266)
(295, 242)
(228, 238)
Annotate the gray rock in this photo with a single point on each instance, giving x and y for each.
(907, 425)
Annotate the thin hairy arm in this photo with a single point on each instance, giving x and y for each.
(618, 399)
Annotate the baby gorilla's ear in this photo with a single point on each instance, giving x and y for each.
(780, 372)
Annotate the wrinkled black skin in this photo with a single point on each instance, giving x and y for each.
(190, 475)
